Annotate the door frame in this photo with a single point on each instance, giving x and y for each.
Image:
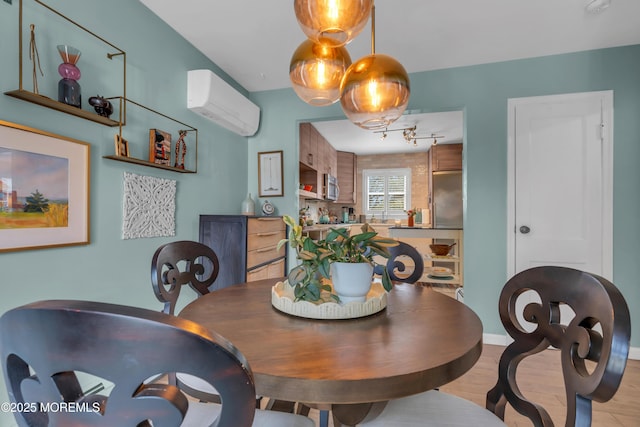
(606, 98)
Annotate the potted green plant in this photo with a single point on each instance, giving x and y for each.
(339, 247)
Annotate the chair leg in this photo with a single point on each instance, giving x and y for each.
(324, 419)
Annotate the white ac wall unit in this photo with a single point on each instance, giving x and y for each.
(215, 99)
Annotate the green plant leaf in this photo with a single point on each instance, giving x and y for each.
(364, 236)
(324, 268)
(383, 241)
(312, 292)
(306, 255)
(297, 275)
(287, 219)
(281, 243)
(384, 252)
(387, 284)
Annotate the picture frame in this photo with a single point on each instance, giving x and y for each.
(159, 147)
(270, 174)
(121, 146)
(44, 189)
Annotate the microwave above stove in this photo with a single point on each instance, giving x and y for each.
(331, 189)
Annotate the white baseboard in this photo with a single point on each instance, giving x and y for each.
(504, 340)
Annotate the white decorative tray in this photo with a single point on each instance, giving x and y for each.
(282, 299)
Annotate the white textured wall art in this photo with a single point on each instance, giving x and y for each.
(149, 207)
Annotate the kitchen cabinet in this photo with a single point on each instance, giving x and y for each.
(445, 157)
(311, 156)
(330, 159)
(317, 157)
(309, 145)
(346, 172)
(246, 247)
(442, 158)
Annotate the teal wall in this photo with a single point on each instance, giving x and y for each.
(482, 92)
(111, 269)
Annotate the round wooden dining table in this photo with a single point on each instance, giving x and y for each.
(420, 341)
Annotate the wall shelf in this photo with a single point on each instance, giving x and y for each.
(36, 98)
(45, 101)
(146, 163)
(122, 101)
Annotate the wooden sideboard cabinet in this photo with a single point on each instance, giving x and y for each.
(245, 246)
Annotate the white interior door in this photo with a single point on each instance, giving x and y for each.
(560, 183)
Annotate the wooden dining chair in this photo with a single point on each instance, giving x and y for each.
(48, 347)
(397, 263)
(174, 265)
(180, 263)
(594, 345)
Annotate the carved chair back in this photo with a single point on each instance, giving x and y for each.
(594, 344)
(45, 345)
(396, 263)
(179, 263)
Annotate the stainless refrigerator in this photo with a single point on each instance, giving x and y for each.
(447, 199)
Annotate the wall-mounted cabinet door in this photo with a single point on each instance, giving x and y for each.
(332, 160)
(446, 157)
(346, 176)
(308, 145)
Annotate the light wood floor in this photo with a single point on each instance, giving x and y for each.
(540, 378)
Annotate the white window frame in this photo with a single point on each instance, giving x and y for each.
(387, 214)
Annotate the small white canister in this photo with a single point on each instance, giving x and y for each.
(248, 206)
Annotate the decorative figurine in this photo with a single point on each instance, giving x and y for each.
(68, 86)
(181, 150)
(101, 105)
(159, 147)
(34, 56)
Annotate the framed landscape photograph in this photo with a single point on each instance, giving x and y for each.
(44, 189)
(159, 147)
(270, 176)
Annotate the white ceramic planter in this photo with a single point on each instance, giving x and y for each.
(351, 281)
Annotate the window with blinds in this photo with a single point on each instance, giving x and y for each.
(386, 192)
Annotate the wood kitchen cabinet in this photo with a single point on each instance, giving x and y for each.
(445, 157)
(442, 158)
(246, 247)
(346, 173)
(309, 145)
(317, 157)
(330, 159)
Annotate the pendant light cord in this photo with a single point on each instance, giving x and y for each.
(373, 27)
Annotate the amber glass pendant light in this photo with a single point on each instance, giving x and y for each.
(332, 22)
(375, 89)
(316, 72)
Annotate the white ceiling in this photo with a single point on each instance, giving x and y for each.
(253, 40)
(345, 136)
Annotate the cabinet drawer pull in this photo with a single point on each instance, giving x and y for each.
(268, 219)
(273, 233)
(258, 269)
(269, 249)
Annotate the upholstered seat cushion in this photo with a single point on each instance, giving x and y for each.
(196, 383)
(204, 414)
(433, 408)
